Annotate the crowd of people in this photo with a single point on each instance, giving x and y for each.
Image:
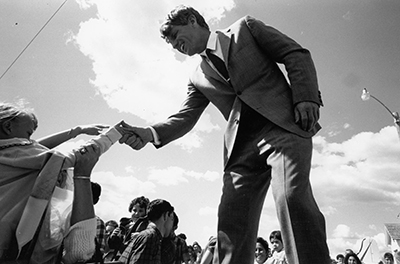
(47, 197)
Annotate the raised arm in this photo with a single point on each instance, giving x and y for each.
(56, 139)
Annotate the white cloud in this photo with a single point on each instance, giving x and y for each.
(362, 169)
(208, 211)
(174, 175)
(168, 176)
(208, 175)
(117, 192)
(342, 231)
(136, 71)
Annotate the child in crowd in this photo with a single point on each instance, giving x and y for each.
(123, 234)
(278, 254)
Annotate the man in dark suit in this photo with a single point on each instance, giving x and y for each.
(268, 137)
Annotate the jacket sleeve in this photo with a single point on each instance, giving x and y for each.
(297, 60)
(185, 119)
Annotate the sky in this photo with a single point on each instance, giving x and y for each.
(100, 62)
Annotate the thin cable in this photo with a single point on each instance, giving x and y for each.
(30, 42)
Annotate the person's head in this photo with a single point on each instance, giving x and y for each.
(96, 192)
(124, 222)
(340, 258)
(352, 258)
(262, 250)
(348, 251)
(182, 235)
(388, 258)
(138, 207)
(16, 121)
(110, 226)
(276, 241)
(196, 247)
(161, 212)
(186, 30)
(192, 254)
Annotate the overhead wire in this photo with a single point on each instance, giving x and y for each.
(30, 42)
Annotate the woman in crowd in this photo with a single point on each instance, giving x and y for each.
(262, 251)
(197, 250)
(33, 176)
(352, 258)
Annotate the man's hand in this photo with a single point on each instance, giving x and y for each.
(135, 137)
(307, 114)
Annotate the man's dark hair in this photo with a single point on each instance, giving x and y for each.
(179, 16)
(157, 208)
(96, 192)
(141, 201)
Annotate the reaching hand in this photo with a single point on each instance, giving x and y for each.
(86, 157)
(135, 137)
(307, 114)
(92, 130)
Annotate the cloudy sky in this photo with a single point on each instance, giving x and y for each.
(104, 61)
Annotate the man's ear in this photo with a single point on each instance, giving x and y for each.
(192, 20)
(6, 127)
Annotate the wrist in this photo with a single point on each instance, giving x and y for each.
(81, 177)
(74, 132)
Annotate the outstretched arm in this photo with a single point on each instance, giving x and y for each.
(54, 140)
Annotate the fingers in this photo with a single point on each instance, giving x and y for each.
(86, 158)
(307, 115)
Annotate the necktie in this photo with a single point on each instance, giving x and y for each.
(218, 63)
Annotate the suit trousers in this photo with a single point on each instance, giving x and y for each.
(265, 154)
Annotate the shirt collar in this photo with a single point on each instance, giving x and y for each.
(211, 43)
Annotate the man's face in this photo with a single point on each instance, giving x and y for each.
(169, 224)
(188, 39)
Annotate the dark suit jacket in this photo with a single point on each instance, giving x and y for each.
(251, 52)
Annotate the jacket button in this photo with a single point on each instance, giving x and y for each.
(239, 93)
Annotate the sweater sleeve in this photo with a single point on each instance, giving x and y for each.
(104, 141)
(79, 243)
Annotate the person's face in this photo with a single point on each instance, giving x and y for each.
(23, 126)
(276, 245)
(352, 260)
(388, 261)
(340, 260)
(109, 229)
(138, 212)
(261, 253)
(188, 39)
(196, 248)
(169, 223)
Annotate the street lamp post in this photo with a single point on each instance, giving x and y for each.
(365, 96)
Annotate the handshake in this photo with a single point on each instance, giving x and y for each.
(135, 137)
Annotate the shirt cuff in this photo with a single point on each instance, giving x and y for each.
(113, 134)
(156, 137)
